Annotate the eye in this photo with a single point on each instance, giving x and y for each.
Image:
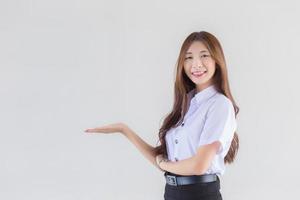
(188, 58)
(205, 55)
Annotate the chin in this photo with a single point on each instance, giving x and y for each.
(197, 82)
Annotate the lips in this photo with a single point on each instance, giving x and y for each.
(198, 74)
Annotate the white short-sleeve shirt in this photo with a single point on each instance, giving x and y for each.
(210, 117)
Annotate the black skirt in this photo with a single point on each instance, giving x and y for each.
(198, 191)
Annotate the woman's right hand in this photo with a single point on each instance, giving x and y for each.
(111, 128)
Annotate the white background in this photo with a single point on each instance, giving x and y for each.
(70, 65)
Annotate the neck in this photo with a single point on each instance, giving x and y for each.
(201, 87)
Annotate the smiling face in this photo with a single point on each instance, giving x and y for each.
(199, 66)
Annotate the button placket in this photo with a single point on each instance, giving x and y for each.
(176, 153)
(191, 110)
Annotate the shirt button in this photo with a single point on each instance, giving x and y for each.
(182, 124)
(176, 159)
(176, 141)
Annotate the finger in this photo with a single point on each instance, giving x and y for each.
(91, 130)
(97, 130)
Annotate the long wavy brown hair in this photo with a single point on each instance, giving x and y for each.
(183, 85)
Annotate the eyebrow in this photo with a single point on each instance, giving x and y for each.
(200, 52)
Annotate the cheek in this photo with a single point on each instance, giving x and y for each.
(211, 70)
(211, 66)
(186, 68)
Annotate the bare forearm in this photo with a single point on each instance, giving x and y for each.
(183, 167)
(146, 149)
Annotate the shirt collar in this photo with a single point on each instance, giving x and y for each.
(203, 94)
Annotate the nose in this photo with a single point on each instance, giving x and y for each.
(197, 63)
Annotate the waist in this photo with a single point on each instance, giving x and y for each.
(175, 179)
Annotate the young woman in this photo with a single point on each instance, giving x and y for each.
(197, 138)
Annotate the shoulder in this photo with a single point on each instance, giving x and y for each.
(221, 102)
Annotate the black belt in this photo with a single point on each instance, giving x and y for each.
(173, 179)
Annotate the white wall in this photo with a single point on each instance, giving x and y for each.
(70, 65)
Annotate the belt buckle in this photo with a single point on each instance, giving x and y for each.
(171, 180)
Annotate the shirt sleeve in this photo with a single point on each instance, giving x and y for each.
(220, 125)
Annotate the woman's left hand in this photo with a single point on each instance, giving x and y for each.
(158, 160)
